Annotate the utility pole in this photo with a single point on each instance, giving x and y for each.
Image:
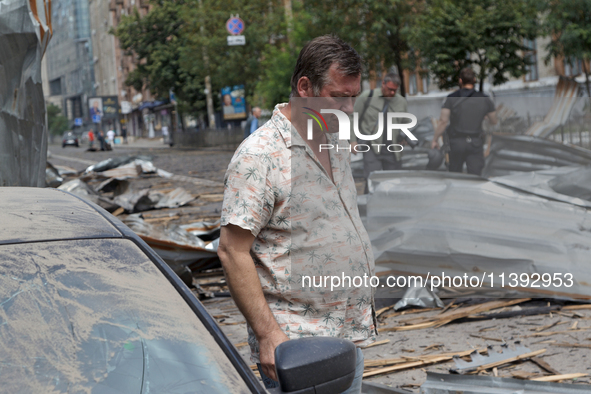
(208, 92)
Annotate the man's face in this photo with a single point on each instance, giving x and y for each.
(256, 113)
(389, 89)
(340, 92)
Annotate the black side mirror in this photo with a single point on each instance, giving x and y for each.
(316, 365)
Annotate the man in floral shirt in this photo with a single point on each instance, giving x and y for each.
(290, 211)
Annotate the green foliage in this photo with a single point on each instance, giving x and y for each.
(569, 24)
(378, 30)
(207, 51)
(157, 41)
(56, 122)
(488, 34)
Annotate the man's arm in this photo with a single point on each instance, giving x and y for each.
(492, 117)
(441, 125)
(245, 287)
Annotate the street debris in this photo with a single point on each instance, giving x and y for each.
(479, 362)
(182, 226)
(521, 153)
(477, 226)
(438, 383)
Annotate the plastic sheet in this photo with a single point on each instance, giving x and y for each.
(25, 30)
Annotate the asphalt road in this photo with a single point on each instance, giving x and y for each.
(207, 163)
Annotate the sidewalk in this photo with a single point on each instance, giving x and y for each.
(138, 142)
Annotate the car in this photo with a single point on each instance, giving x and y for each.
(87, 306)
(69, 138)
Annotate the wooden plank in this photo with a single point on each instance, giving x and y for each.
(564, 344)
(447, 317)
(546, 334)
(576, 307)
(544, 365)
(487, 338)
(378, 343)
(118, 211)
(384, 362)
(556, 378)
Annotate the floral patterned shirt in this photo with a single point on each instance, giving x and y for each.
(306, 227)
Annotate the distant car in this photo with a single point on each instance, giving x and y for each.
(70, 138)
(87, 306)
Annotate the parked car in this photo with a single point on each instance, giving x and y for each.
(69, 138)
(87, 306)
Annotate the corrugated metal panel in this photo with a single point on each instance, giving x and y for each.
(424, 222)
(520, 153)
(25, 33)
(564, 99)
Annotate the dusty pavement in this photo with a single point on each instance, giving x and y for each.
(565, 335)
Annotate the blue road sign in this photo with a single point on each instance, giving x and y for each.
(77, 121)
(235, 25)
(96, 118)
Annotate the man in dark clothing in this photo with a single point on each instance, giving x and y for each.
(101, 139)
(464, 110)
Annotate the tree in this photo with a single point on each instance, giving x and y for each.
(56, 122)
(205, 29)
(568, 22)
(157, 42)
(488, 34)
(378, 29)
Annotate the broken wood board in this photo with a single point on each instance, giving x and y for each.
(556, 378)
(426, 357)
(449, 316)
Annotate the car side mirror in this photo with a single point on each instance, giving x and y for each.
(315, 365)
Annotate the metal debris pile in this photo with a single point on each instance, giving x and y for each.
(177, 216)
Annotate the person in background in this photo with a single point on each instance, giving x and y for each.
(111, 137)
(124, 133)
(91, 139)
(464, 110)
(371, 105)
(101, 139)
(253, 122)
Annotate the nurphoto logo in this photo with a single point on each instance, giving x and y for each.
(345, 128)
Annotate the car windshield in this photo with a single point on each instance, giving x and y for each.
(97, 316)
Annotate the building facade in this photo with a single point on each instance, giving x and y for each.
(69, 59)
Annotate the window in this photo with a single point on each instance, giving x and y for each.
(425, 84)
(531, 55)
(55, 87)
(412, 84)
(572, 67)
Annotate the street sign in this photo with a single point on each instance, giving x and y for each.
(235, 25)
(96, 118)
(77, 121)
(236, 40)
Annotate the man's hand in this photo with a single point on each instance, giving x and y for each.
(434, 144)
(245, 287)
(267, 347)
(353, 145)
